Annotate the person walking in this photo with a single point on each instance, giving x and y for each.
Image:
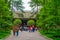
(21, 28)
(29, 29)
(33, 28)
(15, 30)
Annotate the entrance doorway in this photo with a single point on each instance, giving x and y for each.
(25, 20)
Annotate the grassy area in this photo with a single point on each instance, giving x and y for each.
(51, 33)
(4, 34)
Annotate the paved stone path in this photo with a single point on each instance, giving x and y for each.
(26, 36)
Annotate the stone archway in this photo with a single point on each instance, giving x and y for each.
(24, 21)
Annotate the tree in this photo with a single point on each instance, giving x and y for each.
(5, 14)
(16, 4)
(47, 13)
(17, 21)
(34, 4)
(30, 22)
(48, 19)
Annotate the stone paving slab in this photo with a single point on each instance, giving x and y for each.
(26, 36)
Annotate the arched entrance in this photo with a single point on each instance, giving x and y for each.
(24, 21)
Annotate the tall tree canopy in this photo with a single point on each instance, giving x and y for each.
(48, 19)
(35, 4)
(16, 5)
(5, 14)
(49, 14)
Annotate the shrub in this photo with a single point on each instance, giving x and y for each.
(30, 23)
(17, 21)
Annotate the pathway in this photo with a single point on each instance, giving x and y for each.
(26, 36)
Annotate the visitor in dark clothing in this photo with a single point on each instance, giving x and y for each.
(33, 28)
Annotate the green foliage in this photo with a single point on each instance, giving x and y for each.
(49, 14)
(18, 4)
(17, 21)
(49, 18)
(30, 22)
(34, 4)
(5, 14)
(5, 18)
(52, 33)
(4, 34)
